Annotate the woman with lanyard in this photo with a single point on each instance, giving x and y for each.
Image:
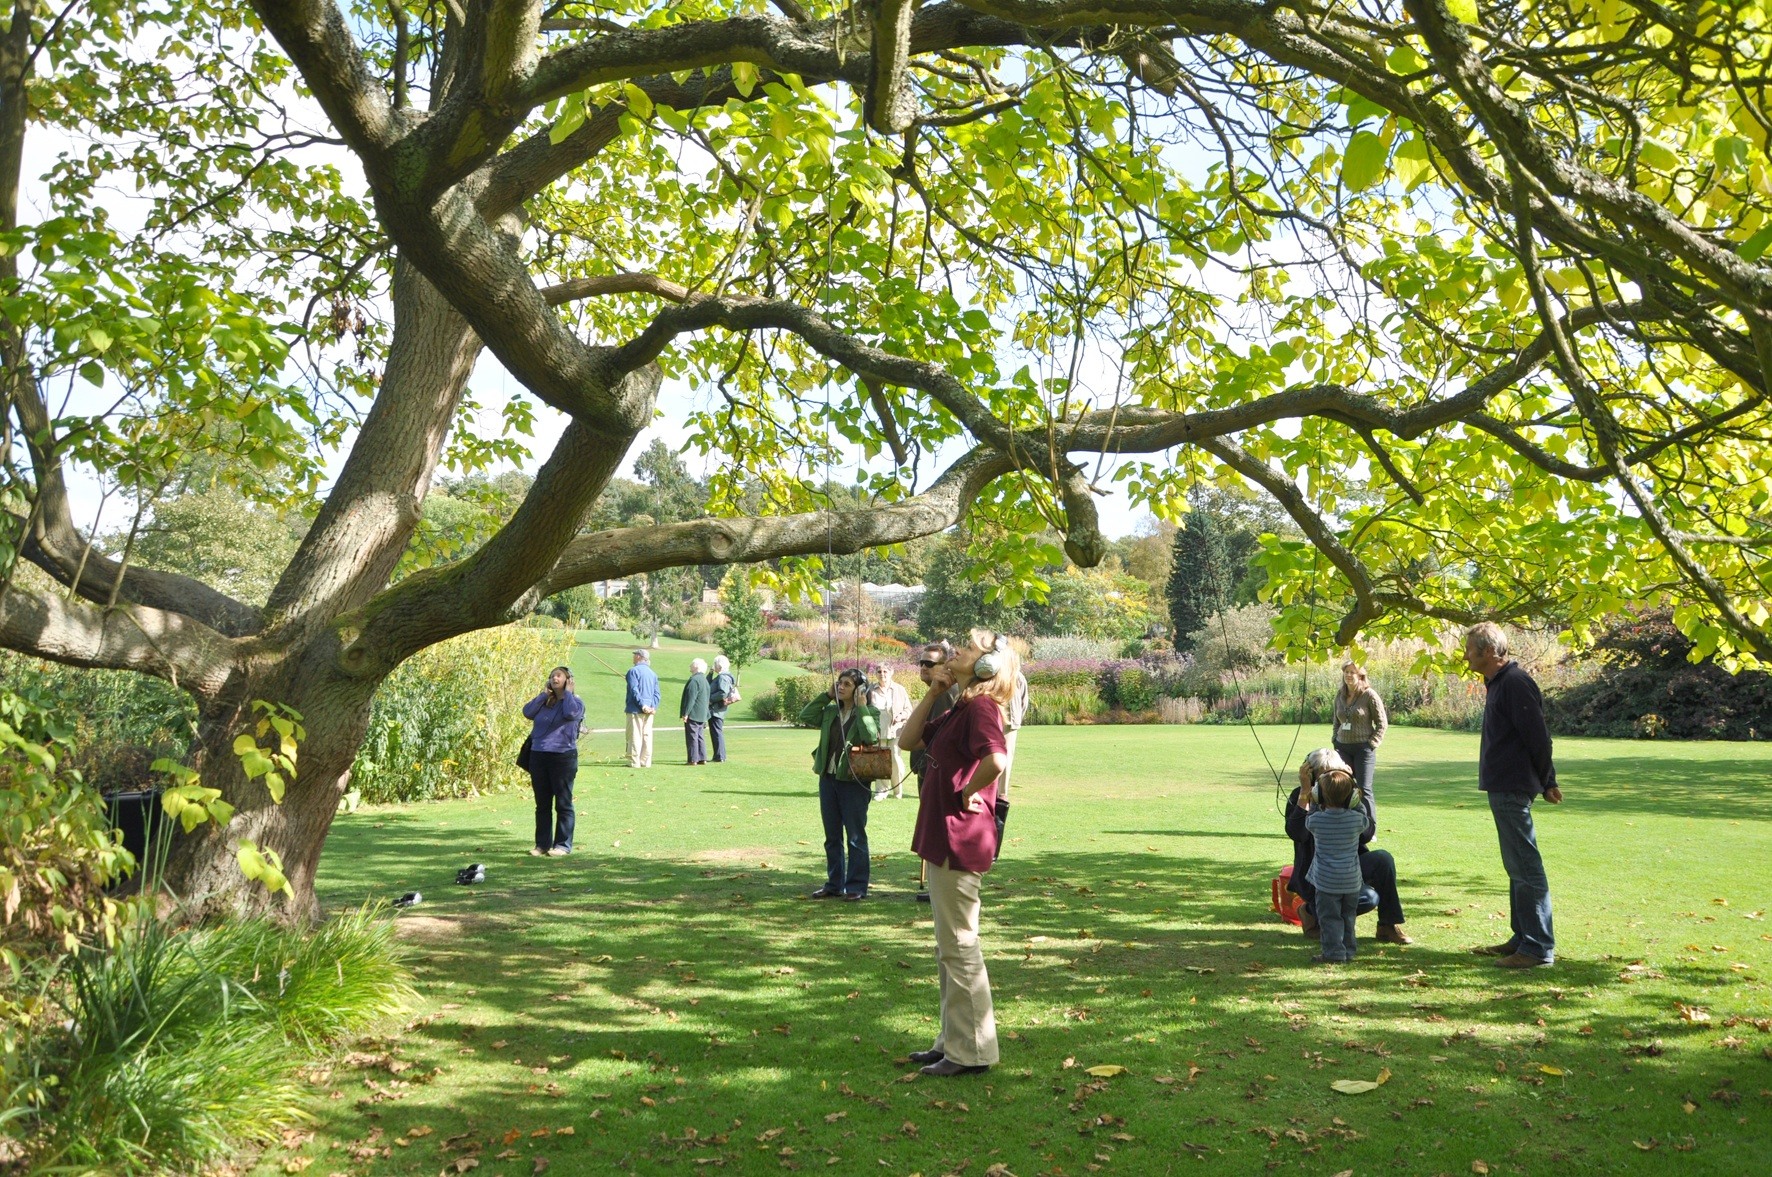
(844, 720)
(957, 837)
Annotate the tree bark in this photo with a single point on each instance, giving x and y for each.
(201, 869)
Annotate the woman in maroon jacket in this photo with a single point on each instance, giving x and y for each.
(957, 836)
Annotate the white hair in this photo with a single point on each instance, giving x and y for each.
(1486, 638)
(1325, 760)
(697, 666)
(720, 663)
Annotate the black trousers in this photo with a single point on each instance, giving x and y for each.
(1378, 870)
(551, 775)
(1363, 759)
(693, 741)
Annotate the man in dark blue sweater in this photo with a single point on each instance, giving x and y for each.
(1514, 767)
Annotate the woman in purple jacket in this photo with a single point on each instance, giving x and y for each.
(553, 761)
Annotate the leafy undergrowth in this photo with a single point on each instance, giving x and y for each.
(667, 1000)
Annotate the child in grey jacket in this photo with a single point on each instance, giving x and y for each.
(1335, 869)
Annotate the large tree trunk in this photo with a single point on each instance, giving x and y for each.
(202, 870)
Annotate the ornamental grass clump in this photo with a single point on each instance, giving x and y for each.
(182, 1046)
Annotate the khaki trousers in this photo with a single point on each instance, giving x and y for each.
(968, 1022)
(898, 768)
(639, 740)
(1009, 754)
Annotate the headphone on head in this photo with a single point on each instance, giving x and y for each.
(1355, 799)
(991, 661)
(860, 679)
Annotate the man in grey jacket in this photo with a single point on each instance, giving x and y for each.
(1514, 767)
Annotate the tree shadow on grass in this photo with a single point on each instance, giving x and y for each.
(675, 1011)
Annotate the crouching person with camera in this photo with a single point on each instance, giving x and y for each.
(1378, 870)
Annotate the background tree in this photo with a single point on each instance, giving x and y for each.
(741, 638)
(958, 596)
(1202, 576)
(1481, 300)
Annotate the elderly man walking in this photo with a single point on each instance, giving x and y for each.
(1514, 767)
(642, 705)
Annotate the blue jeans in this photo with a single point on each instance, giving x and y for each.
(1528, 897)
(844, 807)
(550, 776)
(1335, 923)
(717, 734)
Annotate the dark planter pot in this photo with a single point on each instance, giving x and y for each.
(137, 816)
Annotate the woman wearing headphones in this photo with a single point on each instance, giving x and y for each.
(957, 836)
(844, 720)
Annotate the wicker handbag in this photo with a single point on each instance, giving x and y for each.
(870, 762)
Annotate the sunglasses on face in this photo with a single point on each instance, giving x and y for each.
(927, 663)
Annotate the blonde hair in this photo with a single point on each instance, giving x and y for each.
(1000, 686)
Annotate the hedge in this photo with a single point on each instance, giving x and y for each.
(448, 721)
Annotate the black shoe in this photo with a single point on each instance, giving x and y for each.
(467, 876)
(924, 1057)
(825, 893)
(854, 896)
(947, 1068)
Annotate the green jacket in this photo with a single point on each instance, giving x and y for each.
(695, 699)
(864, 728)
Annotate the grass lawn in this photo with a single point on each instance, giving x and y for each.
(601, 659)
(665, 999)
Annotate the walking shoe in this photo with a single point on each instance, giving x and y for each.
(825, 893)
(1307, 923)
(947, 1068)
(537, 852)
(924, 1057)
(1506, 949)
(1320, 958)
(559, 852)
(854, 896)
(1391, 934)
(1519, 960)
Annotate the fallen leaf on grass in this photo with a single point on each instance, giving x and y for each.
(297, 1164)
(541, 1166)
(1362, 1086)
(1479, 1167)
(1547, 1069)
(1649, 1147)
(1105, 1071)
(420, 1130)
(1692, 1013)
